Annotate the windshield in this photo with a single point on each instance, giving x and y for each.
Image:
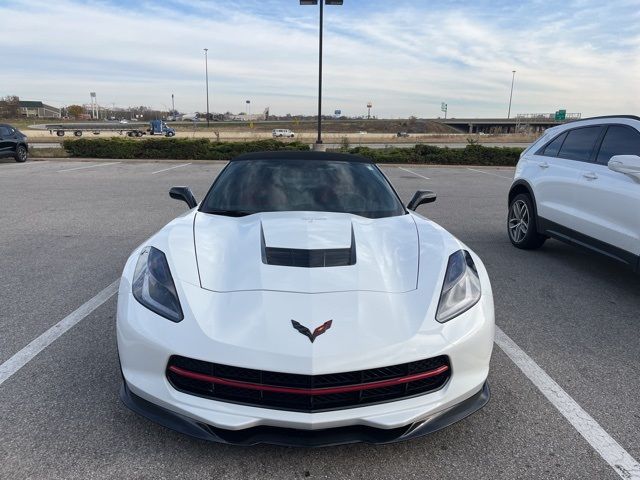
(251, 186)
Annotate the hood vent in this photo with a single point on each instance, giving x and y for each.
(296, 257)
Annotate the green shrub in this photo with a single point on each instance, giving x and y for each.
(432, 155)
(171, 148)
(203, 149)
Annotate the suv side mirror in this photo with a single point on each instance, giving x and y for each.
(627, 164)
(420, 197)
(184, 194)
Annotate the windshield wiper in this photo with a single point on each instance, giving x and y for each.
(230, 213)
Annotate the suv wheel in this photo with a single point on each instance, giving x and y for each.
(521, 223)
(21, 154)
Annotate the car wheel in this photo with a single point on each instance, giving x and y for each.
(521, 223)
(21, 154)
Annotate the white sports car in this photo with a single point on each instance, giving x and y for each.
(300, 303)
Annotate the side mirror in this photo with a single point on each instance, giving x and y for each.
(421, 196)
(627, 164)
(184, 194)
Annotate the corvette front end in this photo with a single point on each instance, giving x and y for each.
(304, 328)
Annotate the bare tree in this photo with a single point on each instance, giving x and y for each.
(10, 106)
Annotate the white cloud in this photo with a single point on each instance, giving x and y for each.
(406, 59)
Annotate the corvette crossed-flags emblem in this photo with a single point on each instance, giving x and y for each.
(316, 333)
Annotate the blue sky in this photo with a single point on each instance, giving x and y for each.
(405, 56)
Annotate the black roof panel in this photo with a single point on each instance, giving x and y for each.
(302, 155)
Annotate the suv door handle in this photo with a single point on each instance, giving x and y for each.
(590, 176)
(543, 165)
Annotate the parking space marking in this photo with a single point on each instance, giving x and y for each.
(490, 173)
(610, 450)
(39, 162)
(88, 166)
(414, 173)
(170, 168)
(24, 356)
(19, 166)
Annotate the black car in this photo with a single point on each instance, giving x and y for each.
(13, 143)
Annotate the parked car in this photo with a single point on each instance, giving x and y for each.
(318, 310)
(13, 143)
(282, 132)
(580, 183)
(402, 134)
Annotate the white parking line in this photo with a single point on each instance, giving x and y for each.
(88, 166)
(39, 162)
(24, 356)
(20, 166)
(610, 450)
(416, 174)
(170, 168)
(490, 173)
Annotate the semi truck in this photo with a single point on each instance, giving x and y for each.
(154, 127)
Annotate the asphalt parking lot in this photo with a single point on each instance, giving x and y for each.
(66, 229)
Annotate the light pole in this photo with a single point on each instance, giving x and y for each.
(248, 102)
(321, 3)
(513, 77)
(206, 73)
(444, 107)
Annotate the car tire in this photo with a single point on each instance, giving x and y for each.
(77, 133)
(522, 223)
(60, 133)
(21, 154)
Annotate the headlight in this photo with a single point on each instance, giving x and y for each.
(153, 285)
(461, 288)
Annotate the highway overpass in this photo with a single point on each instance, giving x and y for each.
(521, 123)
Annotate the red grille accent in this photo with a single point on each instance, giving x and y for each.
(307, 393)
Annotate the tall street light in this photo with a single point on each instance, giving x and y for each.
(513, 77)
(321, 3)
(206, 73)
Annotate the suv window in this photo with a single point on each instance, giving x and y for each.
(552, 149)
(619, 140)
(4, 131)
(579, 143)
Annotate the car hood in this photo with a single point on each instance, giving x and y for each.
(233, 254)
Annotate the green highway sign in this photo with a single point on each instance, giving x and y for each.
(561, 115)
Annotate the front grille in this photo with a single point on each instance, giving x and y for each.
(307, 393)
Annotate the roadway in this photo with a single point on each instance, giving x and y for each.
(363, 144)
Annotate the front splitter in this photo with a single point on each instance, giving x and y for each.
(302, 438)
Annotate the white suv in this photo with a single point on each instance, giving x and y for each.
(580, 183)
